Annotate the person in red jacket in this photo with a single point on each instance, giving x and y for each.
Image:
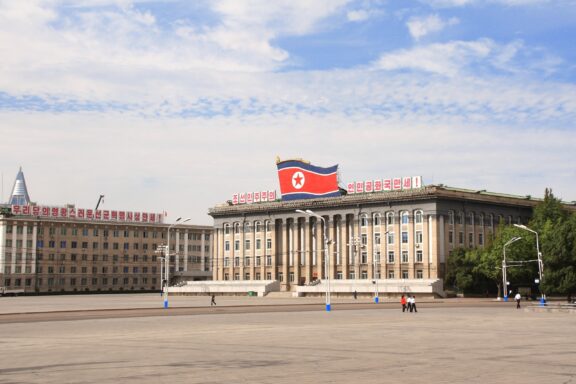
(403, 302)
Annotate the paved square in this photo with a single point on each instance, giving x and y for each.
(436, 345)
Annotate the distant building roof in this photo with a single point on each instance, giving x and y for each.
(19, 194)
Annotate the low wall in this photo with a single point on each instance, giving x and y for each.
(260, 287)
(388, 287)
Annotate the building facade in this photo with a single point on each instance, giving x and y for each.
(65, 249)
(40, 255)
(407, 234)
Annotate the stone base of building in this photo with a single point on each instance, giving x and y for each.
(338, 288)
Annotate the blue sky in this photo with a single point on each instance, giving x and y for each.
(176, 105)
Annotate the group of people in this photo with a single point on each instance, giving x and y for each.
(408, 303)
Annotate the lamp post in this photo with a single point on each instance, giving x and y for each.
(326, 259)
(504, 280)
(540, 264)
(167, 259)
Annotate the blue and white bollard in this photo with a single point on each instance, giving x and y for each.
(376, 300)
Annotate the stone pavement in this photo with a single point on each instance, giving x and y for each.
(458, 344)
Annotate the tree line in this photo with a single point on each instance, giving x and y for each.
(479, 270)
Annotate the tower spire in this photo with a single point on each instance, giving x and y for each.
(19, 194)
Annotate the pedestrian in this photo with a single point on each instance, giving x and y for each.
(413, 304)
(409, 304)
(518, 297)
(213, 302)
(403, 302)
(355, 295)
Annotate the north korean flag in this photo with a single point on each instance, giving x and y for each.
(300, 180)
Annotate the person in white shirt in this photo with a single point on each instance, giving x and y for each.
(517, 298)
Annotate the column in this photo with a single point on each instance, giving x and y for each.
(307, 248)
(286, 249)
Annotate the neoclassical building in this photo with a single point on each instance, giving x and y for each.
(392, 237)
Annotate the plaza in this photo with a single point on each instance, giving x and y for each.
(447, 341)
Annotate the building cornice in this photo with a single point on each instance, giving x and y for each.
(432, 192)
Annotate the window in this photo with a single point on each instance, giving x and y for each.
(377, 256)
(247, 276)
(268, 275)
(390, 218)
(405, 218)
(364, 275)
(418, 256)
(404, 256)
(247, 261)
(258, 276)
(376, 239)
(418, 217)
(339, 275)
(364, 257)
(226, 261)
(404, 274)
(363, 221)
(461, 237)
(470, 220)
(247, 228)
(236, 230)
(236, 261)
(390, 237)
(258, 261)
(291, 276)
(480, 239)
(226, 229)
(390, 274)
(404, 237)
(450, 237)
(268, 243)
(451, 217)
(364, 239)
(236, 245)
(268, 260)
(247, 244)
(280, 276)
(390, 256)
(258, 243)
(227, 246)
(419, 274)
(351, 275)
(418, 239)
(376, 219)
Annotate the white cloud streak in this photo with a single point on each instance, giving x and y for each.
(422, 26)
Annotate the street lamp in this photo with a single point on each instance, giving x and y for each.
(326, 259)
(167, 259)
(504, 280)
(376, 299)
(540, 264)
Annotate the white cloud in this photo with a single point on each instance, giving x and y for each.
(441, 58)
(422, 26)
(461, 3)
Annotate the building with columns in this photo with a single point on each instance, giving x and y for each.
(398, 239)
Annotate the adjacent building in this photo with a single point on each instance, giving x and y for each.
(68, 249)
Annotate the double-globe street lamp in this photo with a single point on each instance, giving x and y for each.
(167, 259)
(326, 259)
(504, 279)
(540, 263)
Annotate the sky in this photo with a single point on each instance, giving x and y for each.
(176, 105)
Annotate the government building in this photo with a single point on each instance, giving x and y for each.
(67, 249)
(395, 234)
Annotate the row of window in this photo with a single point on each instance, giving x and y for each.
(73, 281)
(471, 218)
(63, 244)
(95, 232)
(404, 274)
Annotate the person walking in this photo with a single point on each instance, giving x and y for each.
(409, 304)
(213, 301)
(355, 295)
(403, 302)
(413, 304)
(518, 297)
